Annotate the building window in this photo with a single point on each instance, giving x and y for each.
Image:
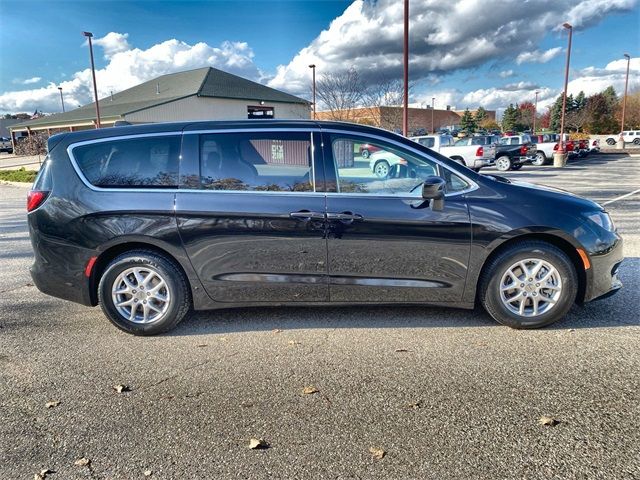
(259, 111)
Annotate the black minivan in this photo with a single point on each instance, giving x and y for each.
(151, 221)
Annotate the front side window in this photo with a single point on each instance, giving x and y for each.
(142, 162)
(388, 171)
(277, 162)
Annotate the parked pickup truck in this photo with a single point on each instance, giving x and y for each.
(474, 152)
(514, 151)
(6, 145)
(545, 144)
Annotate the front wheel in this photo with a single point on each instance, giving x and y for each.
(503, 164)
(540, 159)
(365, 153)
(381, 168)
(530, 284)
(636, 141)
(144, 293)
(611, 141)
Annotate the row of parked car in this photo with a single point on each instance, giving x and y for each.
(508, 152)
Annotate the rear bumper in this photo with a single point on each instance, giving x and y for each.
(522, 160)
(483, 162)
(604, 280)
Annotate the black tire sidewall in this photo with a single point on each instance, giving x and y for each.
(491, 287)
(171, 275)
(506, 169)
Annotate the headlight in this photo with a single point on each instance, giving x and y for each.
(602, 219)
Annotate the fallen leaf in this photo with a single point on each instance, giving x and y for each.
(82, 462)
(121, 388)
(377, 453)
(548, 421)
(276, 330)
(257, 443)
(309, 390)
(293, 342)
(52, 404)
(42, 474)
(401, 350)
(148, 473)
(202, 345)
(571, 330)
(415, 405)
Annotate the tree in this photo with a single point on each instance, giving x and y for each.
(509, 118)
(556, 114)
(632, 112)
(340, 93)
(489, 124)
(600, 113)
(545, 119)
(481, 115)
(468, 122)
(380, 94)
(526, 111)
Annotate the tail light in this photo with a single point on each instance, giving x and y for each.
(35, 199)
(480, 152)
(523, 150)
(402, 161)
(555, 147)
(594, 143)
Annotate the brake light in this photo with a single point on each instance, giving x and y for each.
(35, 199)
(523, 150)
(480, 152)
(402, 161)
(594, 143)
(555, 147)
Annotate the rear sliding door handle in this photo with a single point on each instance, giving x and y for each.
(346, 217)
(307, 215)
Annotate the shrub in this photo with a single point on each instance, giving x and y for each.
(34, 144)
(20, 175)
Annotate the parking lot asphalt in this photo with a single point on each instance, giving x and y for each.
(447, 394)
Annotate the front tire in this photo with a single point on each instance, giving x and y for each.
(636, 141)
(530, 284)
(503, 164)
(365, 154)
(144, 293)
(611, 141)
(381, 168)
(540, 159)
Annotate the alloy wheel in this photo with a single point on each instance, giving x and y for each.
(141, 295)
(530, 287)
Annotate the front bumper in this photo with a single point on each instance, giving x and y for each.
(603, 280)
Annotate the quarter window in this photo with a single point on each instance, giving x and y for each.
(256, 161)
(144, 162)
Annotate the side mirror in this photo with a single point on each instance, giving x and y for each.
(433, 189)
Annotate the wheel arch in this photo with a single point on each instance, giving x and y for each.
(556, 240)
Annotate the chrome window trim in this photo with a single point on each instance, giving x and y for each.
(251, 129)
(472, 185)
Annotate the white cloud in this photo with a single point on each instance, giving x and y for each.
(506, 74)
(444, 37)
(129, 67)
(593, 79)
(31, 81)
(536, 56)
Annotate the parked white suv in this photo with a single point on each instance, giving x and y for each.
(6, 145)
(629, 136)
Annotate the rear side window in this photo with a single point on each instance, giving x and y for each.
(269, 161)
(428, 142)
(144, 162)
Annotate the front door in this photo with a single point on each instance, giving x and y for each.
(384, 243)
(250, 218)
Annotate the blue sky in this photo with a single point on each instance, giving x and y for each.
(489, 52)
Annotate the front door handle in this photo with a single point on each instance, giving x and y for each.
(345, 217)
(307, 215)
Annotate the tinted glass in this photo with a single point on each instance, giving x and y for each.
(388, 171)
(428, 142)
(148, 162)
(279, 162)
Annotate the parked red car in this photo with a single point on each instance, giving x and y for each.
(366, 150)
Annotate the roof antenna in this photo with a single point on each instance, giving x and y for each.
(158, 88)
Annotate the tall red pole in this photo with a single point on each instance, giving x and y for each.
(313, 68)
(535, 112)
(433, 106)
(566, 85)
(405, 93)
(624, 99)
(93, 74)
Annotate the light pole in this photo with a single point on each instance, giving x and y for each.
(535, 112)
(433, 105)
(93, 74)
(61, 99)
(559, 158)
(405, 93)
(624, 102)
(313, 69)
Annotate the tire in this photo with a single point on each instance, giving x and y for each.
(636, 141)
(381, 168)
(517, 166)
(495, 275)
(365, 154)
(540, 159)
(125, 273)
(503, 163)
(459, 161)
(611, 141)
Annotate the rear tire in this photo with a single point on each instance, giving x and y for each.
(540, 159)
(144, 293)
(611, 141)
(365, 154)
(636, 141)
(528, 298)
(503, 163)
(381, 169)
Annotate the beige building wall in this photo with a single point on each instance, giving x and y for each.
(207, 108)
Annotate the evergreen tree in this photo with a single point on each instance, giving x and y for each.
(580, 101)
(467, 122)
(556, 114)
(611, 96)
(481, 115)
(510, 118)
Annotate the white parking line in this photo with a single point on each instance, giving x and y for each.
(621, 197)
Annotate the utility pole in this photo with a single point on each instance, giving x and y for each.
(313, 68)
(559, 158)
(405, 93)
(89, 35)
(61, 99)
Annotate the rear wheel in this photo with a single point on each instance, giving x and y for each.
(381, 168)
(636, 141)
(503, 163)
(611, 141)
(144, 293)
(530, 284)
(365, 153)
(540, 159)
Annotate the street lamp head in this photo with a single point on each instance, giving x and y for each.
(567, 26)
(87, 34)
(312, 65)
(60, 88)
(627, 56)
